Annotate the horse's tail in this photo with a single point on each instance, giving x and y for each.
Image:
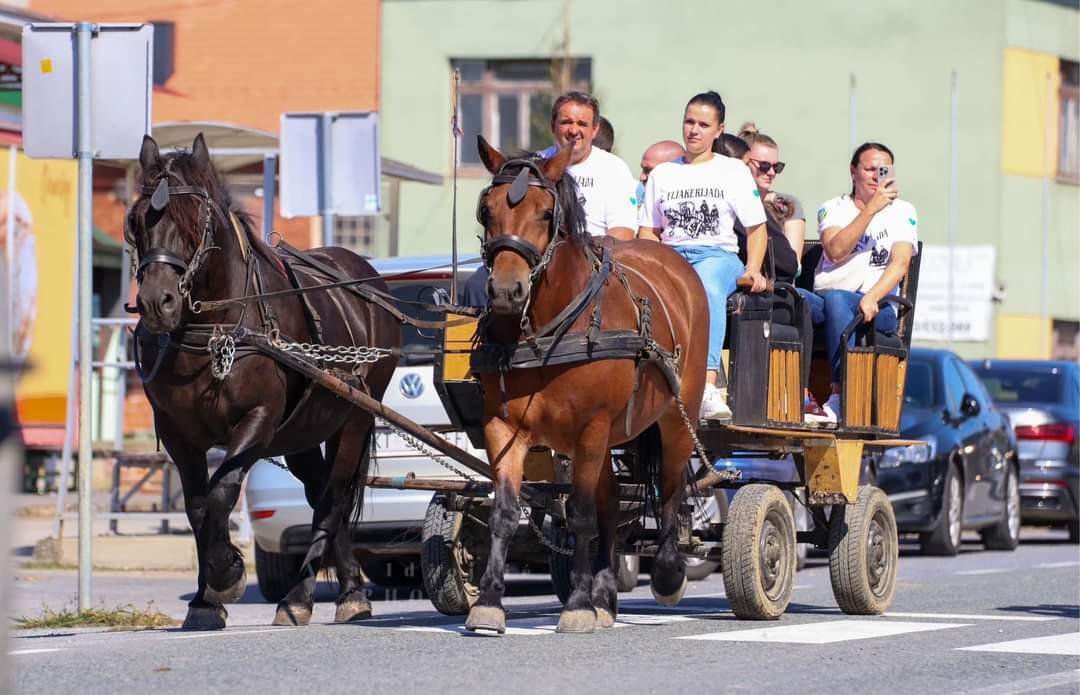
(651, 453)
(358, 484)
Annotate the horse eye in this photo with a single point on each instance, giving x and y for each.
(548, 214)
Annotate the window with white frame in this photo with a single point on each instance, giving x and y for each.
(1069, 123)
(509, 101)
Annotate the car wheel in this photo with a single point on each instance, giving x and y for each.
(277, 573)
(759, 553)
(1005, 534)
(454, 550)
(864, 553)
(1074, 531)
(945, 539)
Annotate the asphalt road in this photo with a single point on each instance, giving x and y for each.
(982, 622)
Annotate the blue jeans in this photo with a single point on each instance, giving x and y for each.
(835, 309)
(718, 270)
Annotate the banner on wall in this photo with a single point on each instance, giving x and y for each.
(37, 241)
(970, 308)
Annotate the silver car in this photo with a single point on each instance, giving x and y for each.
(387, 537)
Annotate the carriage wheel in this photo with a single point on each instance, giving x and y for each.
(759, 553)
(453, 553)
(559, 564)
(864, 553)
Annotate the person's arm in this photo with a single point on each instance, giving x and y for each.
(839, 242)
(756, 242)
(650, 216)
(899, 262)
(795, 233)
(620, 206)
(650, 233)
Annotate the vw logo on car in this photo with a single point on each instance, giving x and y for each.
(411, 385)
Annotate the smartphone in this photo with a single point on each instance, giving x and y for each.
(884, 173)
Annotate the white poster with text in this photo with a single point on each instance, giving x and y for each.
(964, 316)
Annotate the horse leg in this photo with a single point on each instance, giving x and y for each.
(506, 451)
(191, 465)
(310, 467)
(605, 590)
(669, 568)
(590, 455)
(354, 458)
(222, 562)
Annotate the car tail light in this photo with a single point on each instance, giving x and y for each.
(262, 514)
(1055, 432)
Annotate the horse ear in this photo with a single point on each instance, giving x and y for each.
(200, 152)
(491, 157)
(554, 167)
(149, 155)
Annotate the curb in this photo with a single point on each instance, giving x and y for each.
(128, 553)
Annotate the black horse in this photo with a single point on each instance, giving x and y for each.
(209, 387)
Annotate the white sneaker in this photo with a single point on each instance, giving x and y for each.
(714, 404)
(832, 408)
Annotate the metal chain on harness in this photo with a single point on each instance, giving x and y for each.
(335, 354)
(426, 450)
(222, 349)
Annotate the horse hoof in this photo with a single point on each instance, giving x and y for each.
(353, 609)
(486, 618)
(229, 595)
(292, 614)
(670, 599)
(205, 618)
(604, 618)
(580, 621)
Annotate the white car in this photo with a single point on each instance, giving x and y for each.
(387, 537)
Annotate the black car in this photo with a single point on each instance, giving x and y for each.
(1042, 399)
(967, 475)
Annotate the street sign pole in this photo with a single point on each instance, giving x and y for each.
(326, 169)
(84, 32)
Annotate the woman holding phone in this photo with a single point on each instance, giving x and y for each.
(869, 237)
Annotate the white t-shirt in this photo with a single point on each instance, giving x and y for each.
(864, 266)
(606, 189)
(697, 204)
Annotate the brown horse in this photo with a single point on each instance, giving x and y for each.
(209, 388)
(541, 262)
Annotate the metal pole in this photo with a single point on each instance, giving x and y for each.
(852, 112)
(84, 33)
(10, 456)
(69, 409)
(9, 253)
(325, 172)
(269, 191)
(954, 158)
(1044, 262)
(455, 131)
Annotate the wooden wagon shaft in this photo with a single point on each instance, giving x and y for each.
(466, 487)
(357, 397)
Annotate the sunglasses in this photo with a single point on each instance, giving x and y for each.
(764, 167)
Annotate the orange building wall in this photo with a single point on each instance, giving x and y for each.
(247, 61)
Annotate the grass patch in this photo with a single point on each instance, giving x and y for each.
(120, 618)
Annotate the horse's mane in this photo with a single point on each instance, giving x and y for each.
(185, 213)
(573, 214)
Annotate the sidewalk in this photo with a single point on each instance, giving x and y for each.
(137, 546)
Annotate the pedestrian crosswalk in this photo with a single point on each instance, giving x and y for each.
(820, 630)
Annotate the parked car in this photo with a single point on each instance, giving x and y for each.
(1042, 399)
(966, 476)
(387, 537)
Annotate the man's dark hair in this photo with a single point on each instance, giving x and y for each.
(730, 146)
(580, 98)
(712, 99)
(605, 137)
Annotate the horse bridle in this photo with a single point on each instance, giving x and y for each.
(160, 194)
(520, 181)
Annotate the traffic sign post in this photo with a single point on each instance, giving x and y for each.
(61, 118)
(330, 166)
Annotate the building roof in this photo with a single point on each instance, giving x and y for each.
(235, 147)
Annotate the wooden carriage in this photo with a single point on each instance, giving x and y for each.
(756, 541)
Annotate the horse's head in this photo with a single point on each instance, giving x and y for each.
(527, 205)
(170, 228)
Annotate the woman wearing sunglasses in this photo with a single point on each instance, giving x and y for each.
(692, 204)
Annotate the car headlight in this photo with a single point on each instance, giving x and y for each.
(913, 453)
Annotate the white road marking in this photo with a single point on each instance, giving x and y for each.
(226, 633)
(1055, 565)
(989, 570)
(1031, 685)
(20, 652)
(970, 616)
(822, 633)
(1061, 645)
